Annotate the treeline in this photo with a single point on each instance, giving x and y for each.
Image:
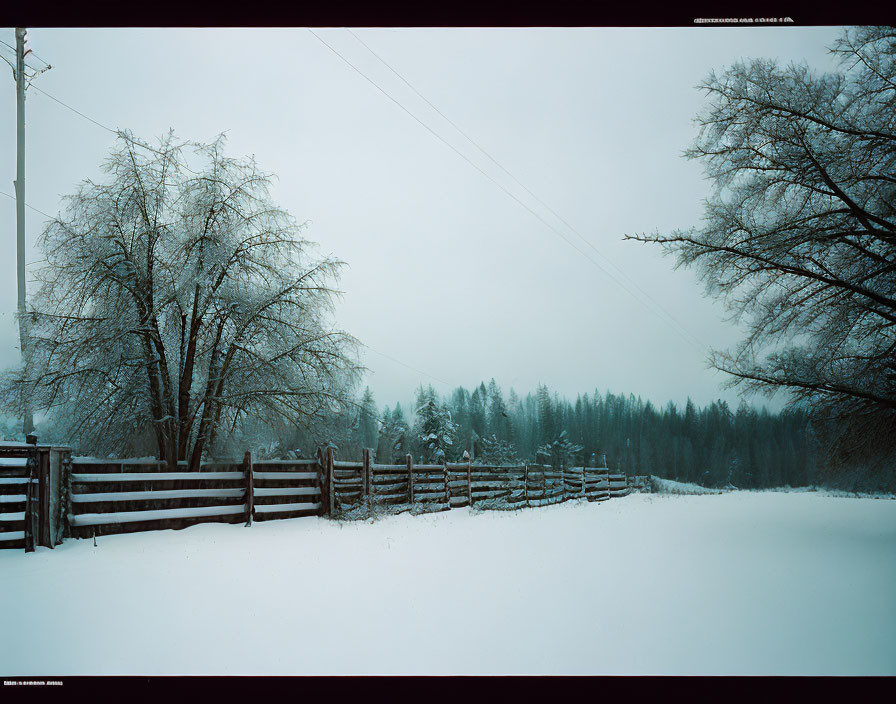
(712, 445)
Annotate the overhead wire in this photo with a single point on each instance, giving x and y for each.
(30, 51)
(525, 188)
(683, 334)
(414, 369)
(27, 205)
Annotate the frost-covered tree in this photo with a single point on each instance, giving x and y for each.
(799, 235)
(498, 418)
(546, 417)
(478, 412)
(459, 405)
(367, 420)
(392, 443)
(178, 300)
(435, 431)
(382, 439)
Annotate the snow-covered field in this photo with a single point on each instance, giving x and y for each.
(738, 583)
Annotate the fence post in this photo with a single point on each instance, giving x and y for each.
(526, 483)
(583, 478)
(43, 492)
(365, 472)
(410, 461)
(331, 480)
(371, 484)
(563, 474)
(470, 482)
(250, 487)
(604, 463)
(29, 504)
(321, 482)
(447, 488)
(66, 502)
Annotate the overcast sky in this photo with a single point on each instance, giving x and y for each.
(447, 273)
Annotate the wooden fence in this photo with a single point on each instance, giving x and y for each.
(390, 487)
(105, 496)
(124, 496)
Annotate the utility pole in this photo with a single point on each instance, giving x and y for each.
(24, 346)
(22, 82)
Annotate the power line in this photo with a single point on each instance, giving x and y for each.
(455, 150)
(419, 371)
(38, 58)
(30, 51)
(4, 193)
(672, 323)
(78, 112)
(118, 133)
(525, 188)
(25, 62)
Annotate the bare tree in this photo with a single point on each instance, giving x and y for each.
(178, 300)
(799, 235)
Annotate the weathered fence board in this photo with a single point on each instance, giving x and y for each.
(95, 519)
(285, 475)
(286, 491)
(276, 508)
(157, 495)
(114, 477)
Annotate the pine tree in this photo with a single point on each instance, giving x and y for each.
(435, 432)
(367, 420)
(392, 446)
(498, 419)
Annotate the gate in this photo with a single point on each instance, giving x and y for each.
(30, 492)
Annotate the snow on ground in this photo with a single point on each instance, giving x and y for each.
(824, 491)
(738, 583)
(659, 485)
